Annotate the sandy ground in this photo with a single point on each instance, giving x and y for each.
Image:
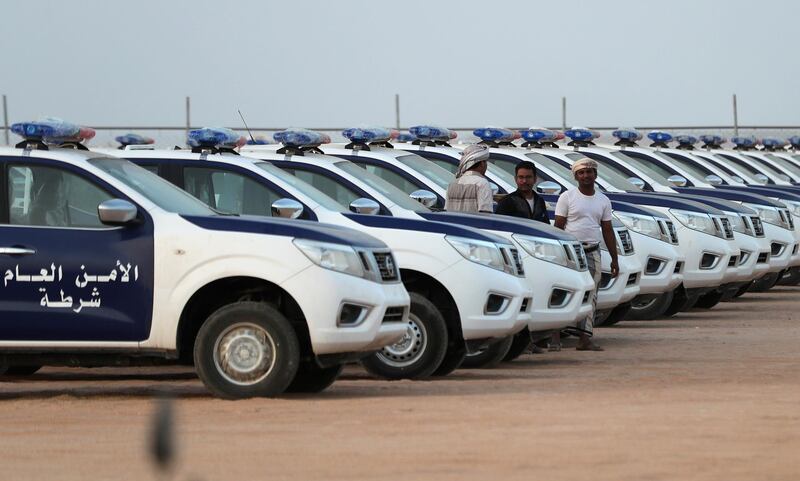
(705, 395)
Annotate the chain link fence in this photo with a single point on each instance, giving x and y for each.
(169, 137)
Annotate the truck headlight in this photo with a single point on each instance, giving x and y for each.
(545, 249)
(738, 224)
(643, 224)
(769, 214)
(482, 252)
(696, 221)
(336, 257)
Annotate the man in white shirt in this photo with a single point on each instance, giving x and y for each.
(586, 213)
(471, 191)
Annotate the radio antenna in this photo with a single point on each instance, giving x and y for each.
(246, 127)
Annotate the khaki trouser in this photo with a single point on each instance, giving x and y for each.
(593, 262)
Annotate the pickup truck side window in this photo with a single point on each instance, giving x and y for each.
(47, 196)
(229, 191)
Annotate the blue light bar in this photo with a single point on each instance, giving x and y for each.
(430, 132)
(50, 129)
(794, 140)
(301, 137)
(405, 138)
(538, 134)
(744, 141)
(581, 134)
(772, 142)
(494, 134)
(659, 136)
(214, 137)
(134, 139)
(686, 139)
(624, 133)
(712, 139)
(367, 134)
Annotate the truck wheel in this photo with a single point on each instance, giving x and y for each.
(792, 278)
(617, 314)
(3, 369)
(420, 351)
(649, 308)
(246, 349)
(707, 301)
(21, 370)
(522, 340)
(452, 359)
(311, 378)
(680, 302)
(490, 356)
(765, 283)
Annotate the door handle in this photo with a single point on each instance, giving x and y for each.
(16, 251)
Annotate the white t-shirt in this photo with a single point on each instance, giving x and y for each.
(584, 213)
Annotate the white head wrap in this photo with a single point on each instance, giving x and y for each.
(584, 163)
(472, 155)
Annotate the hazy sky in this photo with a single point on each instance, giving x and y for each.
(455, 63)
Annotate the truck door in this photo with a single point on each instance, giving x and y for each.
(65, 275)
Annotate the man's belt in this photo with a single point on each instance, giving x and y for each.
(589, 247)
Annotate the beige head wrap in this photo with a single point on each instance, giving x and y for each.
(472, 155)
(584, 163)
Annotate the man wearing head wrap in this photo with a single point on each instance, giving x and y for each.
(586, 213)
(471, 191)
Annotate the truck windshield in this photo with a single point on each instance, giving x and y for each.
(386, 189)
(304, 187)
(785, 164)
(154, 188)
(428, 169)
(610, 174)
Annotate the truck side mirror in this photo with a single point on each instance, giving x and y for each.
(287, 208)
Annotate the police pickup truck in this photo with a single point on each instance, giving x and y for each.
(467, 286)
(104, 263)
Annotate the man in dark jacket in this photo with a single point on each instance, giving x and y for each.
(524, 202)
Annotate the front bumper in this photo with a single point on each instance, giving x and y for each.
(321, 306)
(663, 264)
(624, 287)
(471, 284)
(545, 277)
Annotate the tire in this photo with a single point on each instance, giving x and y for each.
(742, 290)
(792, 278)
(452, 359)
(647, 310)
(600, 317)
(707, 301)
(21, 370)
(311, 378)
(522, 340)
(617, 314)
(420, 352)
(3, 369)
(765, 283)
(490, 356)
(680, 302)
(246, 349)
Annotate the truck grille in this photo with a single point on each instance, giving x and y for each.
(758, 227)
(387, 266)
(673, 234)
(511, 259)
(725, 227)
(626, 241)
(580, 256)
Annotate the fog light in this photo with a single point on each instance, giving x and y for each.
(496, 304)
(654, 266)
(708, 261)
(559, 298)
(351, 314)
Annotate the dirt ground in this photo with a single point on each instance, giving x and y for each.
(705, 395)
